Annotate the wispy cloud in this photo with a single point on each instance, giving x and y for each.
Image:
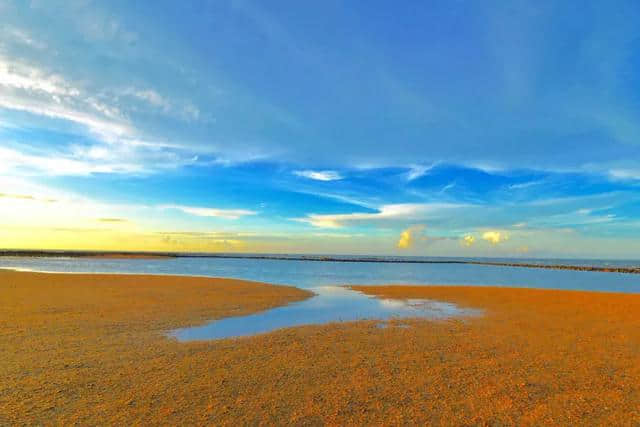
(112, 220)
(17, 196)
(521, 185)
(125, 158)
(404, 212)
(447, 187)
(625, 174)
(151, 96)
(13, 160)
(170, 107)
(337, 235)
(211, 212)
(417, 171)
(325, 175)
(27, 88)
(23, 37)
(27, 197)
(122, 148)
(17, 75)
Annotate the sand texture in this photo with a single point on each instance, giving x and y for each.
(91, 349)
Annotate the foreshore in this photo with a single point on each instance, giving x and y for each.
(93, 349)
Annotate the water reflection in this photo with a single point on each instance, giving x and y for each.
(330, 304)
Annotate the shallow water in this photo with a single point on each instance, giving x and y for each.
(330, 304)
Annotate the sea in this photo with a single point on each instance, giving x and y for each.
(312, 272)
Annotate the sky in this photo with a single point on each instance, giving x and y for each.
(441, 128)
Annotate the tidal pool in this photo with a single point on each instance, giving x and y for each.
(330, 304)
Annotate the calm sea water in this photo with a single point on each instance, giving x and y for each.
(333, 303)
(307, 274)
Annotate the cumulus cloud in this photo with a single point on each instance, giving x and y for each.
(408, 236)
(212, 212)
(468, 240)
(326, 175)
(495, 237)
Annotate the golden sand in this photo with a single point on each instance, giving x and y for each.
(91, 349)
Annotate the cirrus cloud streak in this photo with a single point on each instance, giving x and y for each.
(212, 212)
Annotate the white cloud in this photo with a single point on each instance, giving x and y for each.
(30, 89)
(120, 148)
(495, 237)
(21, 76)
(404, 212)
(124, 158)
(212, 212)
(625, 174)
(416, 171)
(447, 187)
(150, 96)
(522, 185)
(23, 37)
(468, 240)
(408, 236)
(13, 160)
(107, 129)
(326, 175)
(337, 235)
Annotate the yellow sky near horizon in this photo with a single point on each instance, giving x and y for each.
(116, 240)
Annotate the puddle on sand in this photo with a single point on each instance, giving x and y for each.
(330, 304)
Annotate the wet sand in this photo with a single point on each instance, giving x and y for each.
(91, 349)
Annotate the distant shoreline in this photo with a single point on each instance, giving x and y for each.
(126, 256)
(317, 258)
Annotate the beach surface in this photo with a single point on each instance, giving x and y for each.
(93, 349)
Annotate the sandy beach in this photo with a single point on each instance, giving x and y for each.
(92, 349)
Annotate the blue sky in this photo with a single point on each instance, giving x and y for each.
(442, 128)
